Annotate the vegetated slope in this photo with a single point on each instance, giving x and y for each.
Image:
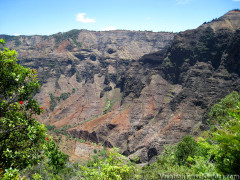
(205, 63)
(134, 90)
(85, 73)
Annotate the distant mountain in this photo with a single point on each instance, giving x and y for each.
(131, 89)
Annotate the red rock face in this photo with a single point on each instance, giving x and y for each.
(132, 89)
(63, 46)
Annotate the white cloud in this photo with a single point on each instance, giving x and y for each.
(109, 28)
(16, 34)
(80, 17)
(180, 2)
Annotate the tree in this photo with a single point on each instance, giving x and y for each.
(224, 137)
(56, 158)
(219, 113)
(21, 136)
(227, 143)
(187, 147)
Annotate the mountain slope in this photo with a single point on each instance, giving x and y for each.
(85, 73)
(135, 90)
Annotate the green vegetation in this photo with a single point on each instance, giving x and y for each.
(72, 36)
(217, 152)
(18, 42)
(26, 151)
(21, 135)
(57, 159)
(109, 166)
(64, 96)
(53, 99)
(24, 142)
(53, 164)
(226, 134)
(107, 107)
(219, 112)
(49, 127)
(78, 77)
(76, 139)
(187, 147)
(53, 103)
(167, 62)
(73, 90)
(62, 130)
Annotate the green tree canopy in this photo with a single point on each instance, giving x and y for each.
(21, 136)
(226, 138)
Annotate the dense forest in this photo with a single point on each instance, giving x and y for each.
(27, 150)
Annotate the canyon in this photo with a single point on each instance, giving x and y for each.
(135, 90)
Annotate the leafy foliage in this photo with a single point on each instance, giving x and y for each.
(219, 113)
(54, 164)
(166, 164)
(187, 147)
(49, 127)
(25, 149)
(107, 107)
(24, 144)
(115, 166)
(215, 154)
(63, 96)
(226, 138)
(11, 174)
(21, 136)
(197, 163)
(53, 102)
(56, 158)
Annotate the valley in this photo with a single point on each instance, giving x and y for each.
(135, 90)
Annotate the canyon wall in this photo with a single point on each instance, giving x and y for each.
(135, 90)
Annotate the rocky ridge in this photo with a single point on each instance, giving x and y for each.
(134, 90)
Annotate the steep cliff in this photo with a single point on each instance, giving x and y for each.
(134, 90)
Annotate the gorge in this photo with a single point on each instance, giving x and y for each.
(134, 90)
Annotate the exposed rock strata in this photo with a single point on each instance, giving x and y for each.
(134, 90)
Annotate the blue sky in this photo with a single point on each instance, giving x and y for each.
(45, 17)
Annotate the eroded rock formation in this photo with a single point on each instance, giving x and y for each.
(134, 90)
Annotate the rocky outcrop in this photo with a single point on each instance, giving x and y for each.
(78, 151)
(135, 90)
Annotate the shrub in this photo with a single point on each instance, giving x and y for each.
(49, 127)
(115, 166)
(219, 113)
(187, 147)
(73, 90)
(53, 103)
(107, 107)
(11, 174)
(64, 96)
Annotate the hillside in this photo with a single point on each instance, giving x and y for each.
(134, 90)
